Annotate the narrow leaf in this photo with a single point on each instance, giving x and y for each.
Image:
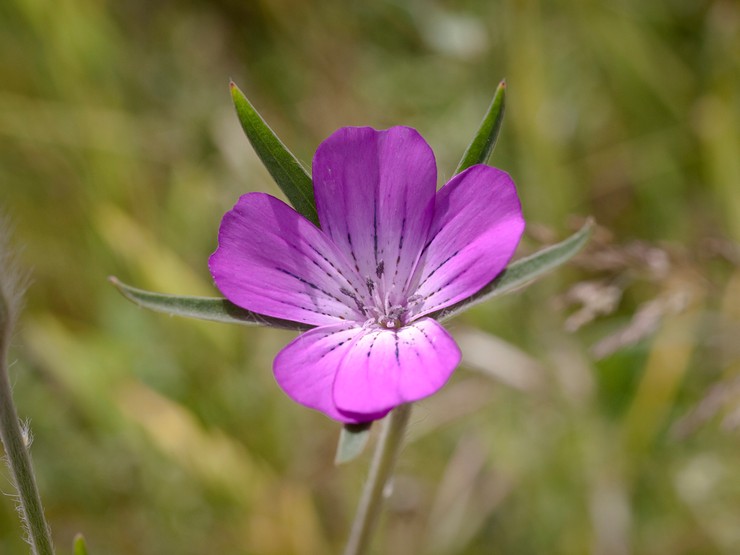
(283, 166)
(523, 272)
(203, 308)
(80, 547)
(352, 441)
(480, 149)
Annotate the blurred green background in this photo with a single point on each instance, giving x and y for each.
(596, 412)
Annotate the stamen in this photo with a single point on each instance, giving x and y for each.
(380, 268)
(384, 308)
(390, 323)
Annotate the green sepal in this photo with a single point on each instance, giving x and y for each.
(481, 147)
(522, 272)
(284, 167)
(80, 547)
(352, 442)
(215, 309)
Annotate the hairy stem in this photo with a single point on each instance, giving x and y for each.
(15, 441)
(384, 461)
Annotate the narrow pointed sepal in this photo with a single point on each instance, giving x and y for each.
(482, 145)
(352, 442)
(80, 547)
(523, 272)
(214, 309)
(284, 167)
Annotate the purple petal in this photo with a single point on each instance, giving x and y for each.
(273, 261)
(383, 369)
(375, 194)
(307, 367)
(477, 225)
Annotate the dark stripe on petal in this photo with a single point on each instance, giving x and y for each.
(336, 345)
(352, 252)
(332, 348)
(311, 285)
(380, 268)
(372, 344)
(429, 340)
(314, 310)
(375, 230)
(355, 298)
(303, 254)
(453, 255)
(454, 278)
(330, 263)
(447, 283)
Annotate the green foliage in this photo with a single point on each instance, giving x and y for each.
(352, 442)
(521, 273)
(482, 145)
(80, 547)
(284, 168)
(215, 309)
(120, 152)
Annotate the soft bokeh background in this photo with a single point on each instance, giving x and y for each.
(596, 412)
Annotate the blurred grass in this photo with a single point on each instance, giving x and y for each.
(120, 151)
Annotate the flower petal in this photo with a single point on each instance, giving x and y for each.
(375, 195)
(306, 369)
(383, 369)
(477, 225)
(273, 261)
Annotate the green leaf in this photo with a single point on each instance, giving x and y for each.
(284, 167)
(480, 149)
(80, 547)
(203, 308)
(352, 441)
(523, 272)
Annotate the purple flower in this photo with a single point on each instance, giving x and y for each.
(391, 250)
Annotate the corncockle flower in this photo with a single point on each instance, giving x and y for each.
(391, 250)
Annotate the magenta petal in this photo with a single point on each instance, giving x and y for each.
(273, 261)
(374, 194)
(306, 369)
(383, 368)
(476, 228)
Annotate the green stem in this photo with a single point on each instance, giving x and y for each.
(384, 461)
(16, 449)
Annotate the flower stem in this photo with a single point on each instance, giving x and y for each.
(16, 444)
(384, 461)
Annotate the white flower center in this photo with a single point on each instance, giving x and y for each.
(384, 309)
(390, 318)
(388, 309)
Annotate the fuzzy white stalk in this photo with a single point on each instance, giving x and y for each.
(16, 437)
(381, 469)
